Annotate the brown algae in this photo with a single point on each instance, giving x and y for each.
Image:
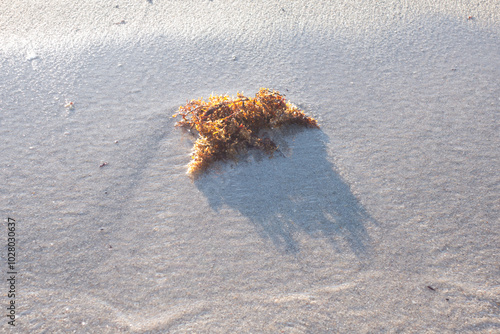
(227, 127)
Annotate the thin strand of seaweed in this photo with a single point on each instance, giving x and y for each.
(227, 127)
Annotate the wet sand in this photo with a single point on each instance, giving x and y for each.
(385, 220)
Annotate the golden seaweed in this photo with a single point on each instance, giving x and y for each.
(227, 127)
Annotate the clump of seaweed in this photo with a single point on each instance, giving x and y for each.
(227, 127)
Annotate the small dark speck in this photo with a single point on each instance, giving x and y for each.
(101, 229)
(453, 69)
(117, 6)
(110, 246)
(431, 288)
(447, 299)
(103, 164)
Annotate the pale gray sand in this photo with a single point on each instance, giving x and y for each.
(398, 192)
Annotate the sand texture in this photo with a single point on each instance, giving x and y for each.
(384, 220)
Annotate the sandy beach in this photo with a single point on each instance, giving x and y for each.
(384, 220)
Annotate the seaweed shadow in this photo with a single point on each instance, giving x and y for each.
(296, 192)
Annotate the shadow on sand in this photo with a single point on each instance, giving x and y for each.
(297, 191)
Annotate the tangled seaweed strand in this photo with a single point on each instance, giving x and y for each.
(227, 127)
